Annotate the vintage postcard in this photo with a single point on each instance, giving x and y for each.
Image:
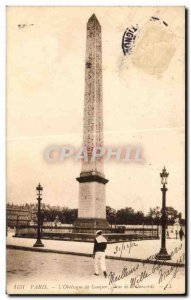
(96, 150)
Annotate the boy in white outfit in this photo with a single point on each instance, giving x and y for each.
(100, 244)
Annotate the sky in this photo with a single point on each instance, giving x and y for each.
(143, 101)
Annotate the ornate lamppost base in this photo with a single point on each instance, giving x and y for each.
(38, 244)
(163, 255)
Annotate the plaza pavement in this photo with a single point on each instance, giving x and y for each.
(140, 251)
(51, 273)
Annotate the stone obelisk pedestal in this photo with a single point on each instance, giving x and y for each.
(92, 199)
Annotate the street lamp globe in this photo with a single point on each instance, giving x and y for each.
(164, 177)
(39, 188)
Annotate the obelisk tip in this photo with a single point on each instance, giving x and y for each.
(93, 18)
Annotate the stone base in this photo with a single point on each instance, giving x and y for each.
(90, 225)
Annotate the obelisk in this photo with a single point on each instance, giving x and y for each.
(92, 199)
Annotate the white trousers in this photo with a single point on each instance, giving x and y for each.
(99, 260)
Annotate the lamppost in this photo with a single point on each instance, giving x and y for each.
(115, 214)
(17, 224)
(38, 243)
(163, 254)
(152, 228)
(155, 218)
(143, 228)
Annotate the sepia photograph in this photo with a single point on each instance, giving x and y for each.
(95, 146)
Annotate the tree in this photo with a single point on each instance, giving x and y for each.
(139, 218)
(110, 215)
(154, 216)
(171, 214)
(125, 216)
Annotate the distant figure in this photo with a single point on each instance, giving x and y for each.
(181, 233)
(100, 244)
(167, 234)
